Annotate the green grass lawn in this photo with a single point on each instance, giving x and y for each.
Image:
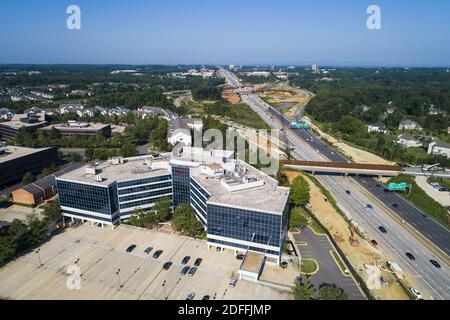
(308, 266)
(423, 201)
(244, 115)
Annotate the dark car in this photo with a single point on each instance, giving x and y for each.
(206, 298)
(374, 243)
(131, 248)
(148, 250)
(185, 260)
(167, 265)
(348, 192)
(395, 205)
(410, 256)
(198, 262)
(191, 296)
(157, 254)
(240, 257)
(435, 263)
(443, 190)
(382, 229)
(192, 271)
(185, 270)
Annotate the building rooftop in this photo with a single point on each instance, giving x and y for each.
(247, 188)
(118, 169)
(77, 126)
(13, 153)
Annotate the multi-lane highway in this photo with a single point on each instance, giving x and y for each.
(433, 282)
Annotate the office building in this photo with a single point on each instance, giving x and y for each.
(74, 128)
(240, 208)
(15, 162)
(31, 121)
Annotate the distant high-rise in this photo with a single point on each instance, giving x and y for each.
(231, 67)
(315, 68)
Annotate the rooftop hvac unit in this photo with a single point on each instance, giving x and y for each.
(117, 160)
(98, 178)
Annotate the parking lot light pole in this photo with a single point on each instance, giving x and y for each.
(164, 287)
(39, 257)
(118, 276)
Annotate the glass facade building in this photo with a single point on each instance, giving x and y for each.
(247, 229)
(181, 185)
(198, 200)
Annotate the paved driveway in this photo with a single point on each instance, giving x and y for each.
(319, 248)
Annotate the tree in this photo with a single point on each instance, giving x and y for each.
(128, 150)
(300, 192)
(28, 178)
(163, 209)
(304, 289)
(298, 218)
(331, 292)
(52, 213)
(184, 221)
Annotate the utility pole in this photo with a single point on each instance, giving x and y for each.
(39, 257)
(118, 276)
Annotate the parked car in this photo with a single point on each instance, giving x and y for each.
(374, 243)
(443, 190)
(131, 248)
(206, 298)
(191, 296)
(192, 271)
(435, 263)
(410, 256)
(348, 192)
(148, 250)
(240, 257)
(416, 294)
(185, 260)
(157, 254)
(233, 282)
(395, 205)
(198, 262)
(368, 207)
(382, 229)
(185, 270)
(167, 265)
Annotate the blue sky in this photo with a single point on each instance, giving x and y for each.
(301, 32)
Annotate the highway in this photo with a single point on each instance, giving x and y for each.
(432, 282)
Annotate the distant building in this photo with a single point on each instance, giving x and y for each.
(408, 141)
(74, 128)
(439, 148)
(31, 121)
(15, 162)
(315, 68)
(410, 125)
(154, 112)
(434, 111)
(5, 114)
(378, 128)
(36, 192)
(179, 130)
(78, 109)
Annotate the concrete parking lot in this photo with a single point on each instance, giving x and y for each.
(319, 248)
(18, 212)
(100, 253)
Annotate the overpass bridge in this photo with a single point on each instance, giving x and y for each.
(344, 168)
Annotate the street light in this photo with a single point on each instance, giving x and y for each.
(164, 287)
(39, 256)
(118, 276)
